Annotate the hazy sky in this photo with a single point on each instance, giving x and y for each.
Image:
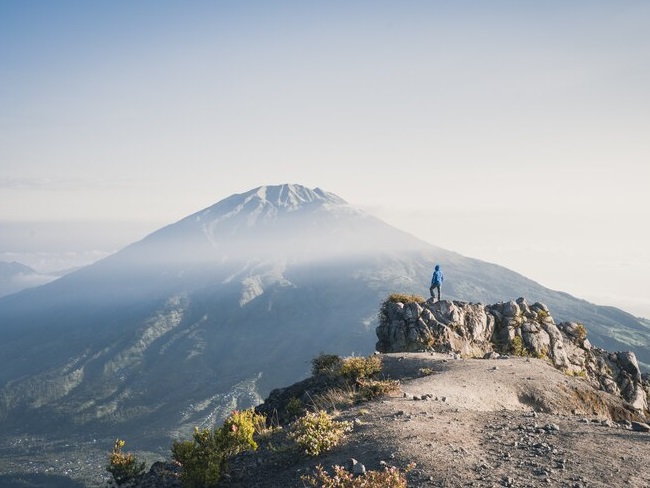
(512, 131)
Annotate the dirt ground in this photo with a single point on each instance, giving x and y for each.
(512, 422)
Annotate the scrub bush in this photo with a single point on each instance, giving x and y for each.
(124, 467)
(350, 380)
(327, 364)
(581, 332)
(390, 477)
(355, 368)
(204, 458)
(317, 432)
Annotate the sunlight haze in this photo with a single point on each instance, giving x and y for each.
(512, 132)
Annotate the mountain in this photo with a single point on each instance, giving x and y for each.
(212, 312)
(15, 277)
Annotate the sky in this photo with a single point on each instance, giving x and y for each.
(516, 132)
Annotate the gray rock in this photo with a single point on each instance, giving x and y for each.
(640, 427)
(356, 468)
(511, 309)
(552, 428)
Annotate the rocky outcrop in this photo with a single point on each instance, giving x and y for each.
(515, 327)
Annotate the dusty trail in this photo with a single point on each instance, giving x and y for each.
(514, 422)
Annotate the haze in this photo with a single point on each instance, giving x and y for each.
(514, 132)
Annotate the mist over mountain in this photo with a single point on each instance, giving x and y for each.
(15, 277)
(212, 312)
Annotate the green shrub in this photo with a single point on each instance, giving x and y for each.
(349, 369)
(348, 381)
(325, 364)
(124, 467)
(517, 346)
(238, 431)
(294, 407)
(581, 332)
(355, 368)
(317, 432)
(390, 477)
(203, 459)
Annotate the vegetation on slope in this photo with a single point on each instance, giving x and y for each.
(312, 430)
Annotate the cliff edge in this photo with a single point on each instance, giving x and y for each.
(509, 328)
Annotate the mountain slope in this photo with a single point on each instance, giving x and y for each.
(212, 312)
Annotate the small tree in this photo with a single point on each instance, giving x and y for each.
(200, 459)
(124, 467)
(204, 458)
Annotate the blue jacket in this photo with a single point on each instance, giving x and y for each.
(437, 277)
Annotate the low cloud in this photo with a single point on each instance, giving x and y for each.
(66, 184)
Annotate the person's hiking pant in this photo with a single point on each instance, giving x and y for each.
(433, 289)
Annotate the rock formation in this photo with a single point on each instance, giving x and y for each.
(515, 328)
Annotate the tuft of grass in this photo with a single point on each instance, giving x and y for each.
(396, 298)
(333, 399)
(543, 354)
(404, 298)
(581, 332)
(370, 389)
(580, 373)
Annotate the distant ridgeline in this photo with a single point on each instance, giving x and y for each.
(409, 324)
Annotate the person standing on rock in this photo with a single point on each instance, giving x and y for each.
(436, 282)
